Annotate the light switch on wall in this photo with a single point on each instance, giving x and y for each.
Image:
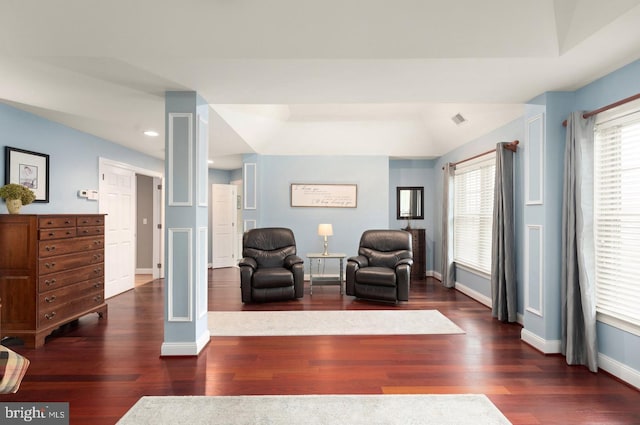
(144, 221)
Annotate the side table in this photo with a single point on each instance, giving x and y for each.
(326, 280)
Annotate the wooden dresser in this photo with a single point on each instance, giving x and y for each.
(51, 272)
(419, 268)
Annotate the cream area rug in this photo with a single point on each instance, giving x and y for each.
(341, 322)
(441, 409)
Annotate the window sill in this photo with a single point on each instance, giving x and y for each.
(472, 269)
(623, 325)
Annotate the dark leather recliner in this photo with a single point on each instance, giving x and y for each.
(270, 269)
(382, 269)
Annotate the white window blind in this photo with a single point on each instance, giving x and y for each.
(617, 217)
(473, 212)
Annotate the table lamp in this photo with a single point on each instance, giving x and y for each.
(325, 230)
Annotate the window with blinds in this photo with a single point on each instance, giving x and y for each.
(617, 217)
(473, 212)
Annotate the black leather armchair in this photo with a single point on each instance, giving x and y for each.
(382, 269)
(270, 269)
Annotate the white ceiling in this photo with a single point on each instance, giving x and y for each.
(297, 77)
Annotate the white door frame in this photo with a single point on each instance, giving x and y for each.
(158, 208)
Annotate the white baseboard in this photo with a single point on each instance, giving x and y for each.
(481, 298)
(185, 348)
(606, 363)
(540, 344)
(619, 370)
(144, 271)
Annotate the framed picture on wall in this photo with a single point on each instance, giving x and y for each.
(324, 195)
(30, 169)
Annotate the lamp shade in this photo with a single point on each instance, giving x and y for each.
(325, 229)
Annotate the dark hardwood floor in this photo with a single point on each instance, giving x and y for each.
(102, 367)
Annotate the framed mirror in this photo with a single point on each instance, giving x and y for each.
(410, 202)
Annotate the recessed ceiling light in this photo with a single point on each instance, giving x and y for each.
(151, 133)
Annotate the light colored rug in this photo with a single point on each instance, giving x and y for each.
(341, 322)
(463, 409)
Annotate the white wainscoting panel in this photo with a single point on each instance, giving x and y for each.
(534, 160)
(180, 264)
(533, 269)
(202, 165)
(202, 243)
(250, 181)
(180, 170)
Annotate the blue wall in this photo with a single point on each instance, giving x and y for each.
(476, 282)
(277, 173)
(73, 159)
(618, 348)
(614, 343)
(414, 173)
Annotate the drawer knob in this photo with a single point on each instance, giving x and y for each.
(52, 234)
(98, 270)
(50, 248)
(50, 282)
(49, 265)
(50, 299)
(97, 298)
(50, 316)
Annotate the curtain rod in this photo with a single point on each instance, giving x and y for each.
(607, 107)
(513, 147)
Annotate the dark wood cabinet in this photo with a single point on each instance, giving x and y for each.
(51, 272)
(418, 242)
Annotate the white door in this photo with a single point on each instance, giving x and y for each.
(117, 196)
(223, 225)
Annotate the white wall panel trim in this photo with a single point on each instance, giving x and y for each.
(534, 269)
(534, 160)
(173, 287)
(180, 181)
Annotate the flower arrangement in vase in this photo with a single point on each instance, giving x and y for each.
(16, 195)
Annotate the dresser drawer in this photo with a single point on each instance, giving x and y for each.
(53, 247)
(68, 277)
(69, 261)
(90, 230)
(55, 222)
(57, 233)
(53, 299)
(90, 220)
(70, 309)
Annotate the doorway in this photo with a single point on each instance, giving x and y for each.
(118, 200)
(144, 229)
(223, 225)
